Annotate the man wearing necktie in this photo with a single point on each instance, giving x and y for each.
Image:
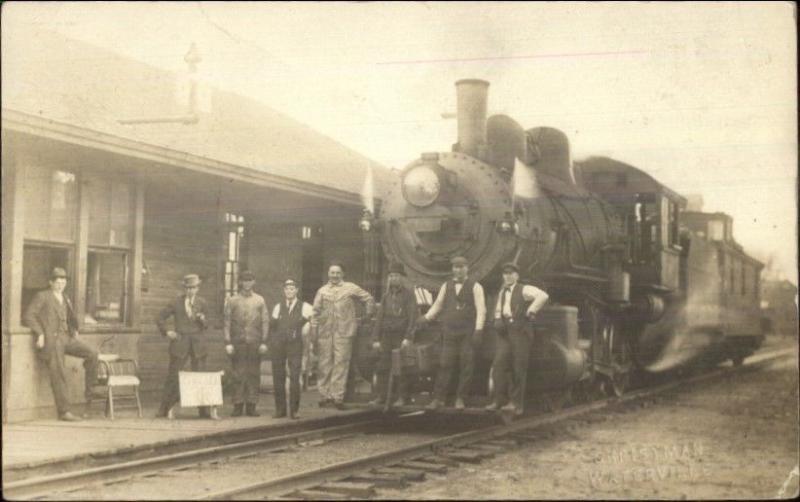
(185, 341)
(463, 310)
(245, 328)
(290, 325)
(516, 308)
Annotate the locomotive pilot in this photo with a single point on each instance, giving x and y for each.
(290, 323)
(461, 304)
(335, 322)
(245, 328)
(516, 308)
(394, 328)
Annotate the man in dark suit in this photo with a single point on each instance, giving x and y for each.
(394, 329)
(186, 341)
(51, 317)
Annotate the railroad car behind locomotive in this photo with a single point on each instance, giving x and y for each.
(602, 237)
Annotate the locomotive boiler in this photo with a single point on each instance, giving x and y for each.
(602, 239)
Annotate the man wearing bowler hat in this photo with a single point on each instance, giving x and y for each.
(245, 328)
(185, 341)
(290, 327)
(515, 309)
(51, 317)
(394, 328)
(463, 310)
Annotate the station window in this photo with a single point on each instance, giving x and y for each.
(234, 235)
(37, 262)
(107, 264)
(716, 230)
(51, 204)
(106, 287)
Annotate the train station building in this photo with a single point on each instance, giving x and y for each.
(106, 174)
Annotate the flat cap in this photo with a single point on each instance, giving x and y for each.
(58, 273)
(510, 266)
(459, 260)
(289, 282)
(247, 276)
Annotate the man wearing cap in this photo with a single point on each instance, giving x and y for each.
(394, 328)
(463, 310)
(51, 317)
(335, 321)
(290, 327)
(245, 328)
(185, 341)
(515, 309)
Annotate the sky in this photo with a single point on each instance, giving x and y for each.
(700, 95)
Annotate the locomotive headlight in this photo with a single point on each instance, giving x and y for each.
(421, 186)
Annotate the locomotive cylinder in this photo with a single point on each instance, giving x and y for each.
(471, 97)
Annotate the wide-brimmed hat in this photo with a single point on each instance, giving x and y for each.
(247, 276)
(510, 267)
(191, 280)
(459, 261)
(58, 273)
(397, 268)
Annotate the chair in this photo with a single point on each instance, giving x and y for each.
(117, 374)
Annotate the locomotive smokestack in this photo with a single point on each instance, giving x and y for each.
(471, 96)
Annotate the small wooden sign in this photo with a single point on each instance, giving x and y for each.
(200, 388)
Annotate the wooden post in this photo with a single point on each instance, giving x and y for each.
(137, 259)
(82, 250)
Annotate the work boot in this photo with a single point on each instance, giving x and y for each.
(251, 410)
(238, 409)
(434, 405)
(69, 417)
(400, 402)
(494, 406)
(325, 403)
(377, 402)
(460, 404)
(338, 404)
(279, 414)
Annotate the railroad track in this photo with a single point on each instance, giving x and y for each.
(360, 478)
(42, 486)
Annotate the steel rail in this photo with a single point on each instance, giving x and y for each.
(304, 480)
(40, 486)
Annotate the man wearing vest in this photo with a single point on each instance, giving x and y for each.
(185, 342)
(51, 317)
(245, 327)
(394, 328)
(336, 324)
(463, 310)
(515, 309)
(289, 322)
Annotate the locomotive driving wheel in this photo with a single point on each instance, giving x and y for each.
(620, 358)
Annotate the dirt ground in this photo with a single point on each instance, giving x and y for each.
(736, 439)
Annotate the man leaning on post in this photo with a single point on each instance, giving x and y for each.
(246, 328)
(51, 317)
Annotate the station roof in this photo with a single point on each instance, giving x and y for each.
(51, 81)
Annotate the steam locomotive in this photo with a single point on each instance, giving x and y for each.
(636, 283)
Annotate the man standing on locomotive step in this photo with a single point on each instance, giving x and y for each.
(51, 317)
(246, 328)
(463, 310)
(394, 328)
(290, 322)
(335, 321)
(185, 342)
(514, 312)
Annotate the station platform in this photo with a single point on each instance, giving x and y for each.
(35, 444)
